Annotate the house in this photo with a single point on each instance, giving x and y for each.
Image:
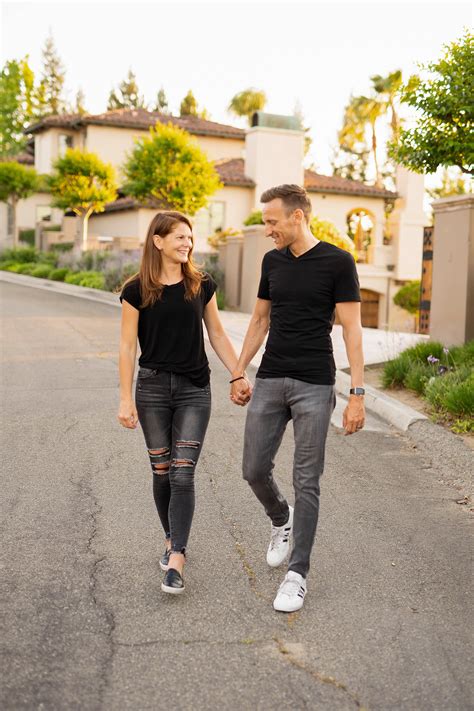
(248, 161)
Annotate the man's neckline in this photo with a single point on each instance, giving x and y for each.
(311, 249)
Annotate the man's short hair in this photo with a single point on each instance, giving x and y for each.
(293, 198)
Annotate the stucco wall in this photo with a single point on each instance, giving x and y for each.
(26, 215)
(335, 208)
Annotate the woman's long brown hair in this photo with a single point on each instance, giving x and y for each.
(151, 289)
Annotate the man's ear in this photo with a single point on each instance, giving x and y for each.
(298, 216)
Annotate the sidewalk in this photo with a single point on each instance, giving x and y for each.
(379, 346)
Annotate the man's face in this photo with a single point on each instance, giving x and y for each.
(280, 226)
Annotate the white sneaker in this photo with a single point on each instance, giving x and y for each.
(280, 542)
(290, 595)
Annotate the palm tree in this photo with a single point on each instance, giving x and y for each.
(388, 88)
(247, 102)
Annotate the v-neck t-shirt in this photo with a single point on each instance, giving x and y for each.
(170, 332)
(303, 292)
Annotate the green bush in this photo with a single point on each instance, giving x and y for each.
(92, 260)
(5, 266)
(93, 280)
(417, 377)
(463, 355)
(59, 274)
(24, 268)
(27, 237)
(42, 271)
(63, 247)
(408, 297)
(420, 352)
(459, 399)
(395, 372)
(220, 297)
(21, 255)
(255, 218)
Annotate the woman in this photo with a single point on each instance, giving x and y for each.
(164, 305)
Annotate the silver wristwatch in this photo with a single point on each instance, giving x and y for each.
(357, 391)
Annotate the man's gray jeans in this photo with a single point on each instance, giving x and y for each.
(274, 402)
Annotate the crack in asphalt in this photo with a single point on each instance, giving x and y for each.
(318, 676)
(85, 489)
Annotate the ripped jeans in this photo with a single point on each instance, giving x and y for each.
(174, 415)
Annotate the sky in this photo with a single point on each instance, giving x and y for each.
(315, 53)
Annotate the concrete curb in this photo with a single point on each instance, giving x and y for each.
(387, 408)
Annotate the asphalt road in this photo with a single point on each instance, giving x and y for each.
(386, 623)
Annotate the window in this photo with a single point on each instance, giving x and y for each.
(43, 212)
(209, 219)
(65, 142)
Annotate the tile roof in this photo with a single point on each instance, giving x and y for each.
(231, 172)
(316, 183)
(138, 118)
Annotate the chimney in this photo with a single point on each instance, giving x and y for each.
(274, 152)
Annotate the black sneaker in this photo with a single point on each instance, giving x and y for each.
(173, 582)
(165, 559)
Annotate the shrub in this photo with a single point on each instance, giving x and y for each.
(94, 280)
(27, 237)
(5, 266)
(420, 352)
(328, 232)
(408, 297)
(459, 399)
(50, 258)
(25, 268)
(417, 377)
(92, 260)
(59, 274)
(220, 297)
(255, 218)
(21, 255)
(395, 372)
(63, 247)
(42, 271)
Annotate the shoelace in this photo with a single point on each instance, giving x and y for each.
(291, 587)
(277, 534)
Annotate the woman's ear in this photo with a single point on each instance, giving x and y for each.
(156, 241)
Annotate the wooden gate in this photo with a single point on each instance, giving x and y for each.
(426, 280)
(369, 308)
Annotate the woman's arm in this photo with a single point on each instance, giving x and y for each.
(127, 414)
(218, 338)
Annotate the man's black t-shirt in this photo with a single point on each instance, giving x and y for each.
(170, 332)
(304, 291)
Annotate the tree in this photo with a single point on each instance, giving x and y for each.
(388, 89)
(49, 96)
(408, 297)
(452, 183)
(84, 184)
(127, 95)
(17, 182)
(16, 105)
(443, 132)
(168, 167)
(161, 103)
(351, 158)
(247, 102)
(189, 105)
(79, 107)
(298, 113)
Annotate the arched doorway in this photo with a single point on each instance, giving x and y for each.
(360, 228)
(369, 308)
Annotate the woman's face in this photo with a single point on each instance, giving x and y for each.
(176, 245)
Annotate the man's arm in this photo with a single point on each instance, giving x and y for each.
(255, 336)
(349, 316)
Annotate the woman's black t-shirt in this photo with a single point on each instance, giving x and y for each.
(304, 292)
(170, 332)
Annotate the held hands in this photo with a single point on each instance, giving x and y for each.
(241, 391)
(127, 414)
(353, 418)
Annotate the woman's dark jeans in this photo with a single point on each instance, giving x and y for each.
(174, 415)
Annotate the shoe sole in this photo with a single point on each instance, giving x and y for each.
(163, 567)
(295, 609)
(171, 591)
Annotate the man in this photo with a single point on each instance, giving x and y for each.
(302, 281)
